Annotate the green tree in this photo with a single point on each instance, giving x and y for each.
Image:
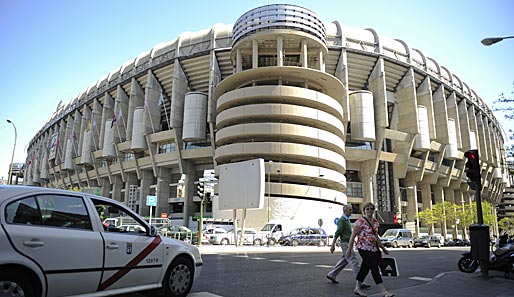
(507, 224)
(504, 104)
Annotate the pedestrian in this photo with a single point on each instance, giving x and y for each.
(369, 246)
(343, 232)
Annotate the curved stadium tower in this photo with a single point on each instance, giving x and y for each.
(339, 114)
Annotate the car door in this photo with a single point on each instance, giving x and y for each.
(132, 258)
(55, 231)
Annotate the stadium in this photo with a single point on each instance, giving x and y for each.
(339, 115)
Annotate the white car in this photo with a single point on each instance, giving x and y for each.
(53, 243)
(207, 233)
(250, 236)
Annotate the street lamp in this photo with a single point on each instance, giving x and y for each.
(13, 150)
(492, 40)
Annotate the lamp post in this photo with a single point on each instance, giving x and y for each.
(492, 40)
(13, 150)
(270, 162)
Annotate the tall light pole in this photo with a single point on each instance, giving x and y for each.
(492, 40)
(13, 150)
(270, 162)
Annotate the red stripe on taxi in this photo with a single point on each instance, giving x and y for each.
(115, 277)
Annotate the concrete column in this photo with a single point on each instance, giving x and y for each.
(439, 198)
(239, 61)
(426, 196)
(304, 54)
(131, 179)
(117, 186)
(412, 207)
(459, 200)
(255, 53)
(321, 60)
(449, 196)
(105, 187)
(367, 188)
(163, 190)
(280, 51)
(398, 198)
(190, 191)
(145, 183)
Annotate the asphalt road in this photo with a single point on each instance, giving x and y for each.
(295, 273)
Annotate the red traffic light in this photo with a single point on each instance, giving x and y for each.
(471, 155)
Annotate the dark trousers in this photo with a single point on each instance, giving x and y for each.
(369, 262)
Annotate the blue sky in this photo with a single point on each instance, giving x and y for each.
(51, 50)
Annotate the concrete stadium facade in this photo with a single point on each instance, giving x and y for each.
(339, 114)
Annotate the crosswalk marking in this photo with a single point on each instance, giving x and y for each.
(299, 263)
(425, 279)
(278, 261)
(324, 266)
(202, 294)
(258, 258)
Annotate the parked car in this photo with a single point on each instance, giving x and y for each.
(206, 234)
(54, 243)
(397, 237)
(461, 242)
(132, 228)
(179, 232)
(250, 236)
(305, 236)
(427, 241)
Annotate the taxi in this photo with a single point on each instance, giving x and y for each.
(53, 243)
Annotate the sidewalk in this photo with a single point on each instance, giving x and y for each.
(453, 283)
(456, 284)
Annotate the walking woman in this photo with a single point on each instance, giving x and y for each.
(369, 246)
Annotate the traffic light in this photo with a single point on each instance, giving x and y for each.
(473, 166)
(208, 196)
(200, 190)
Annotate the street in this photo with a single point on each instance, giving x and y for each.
(302, 273)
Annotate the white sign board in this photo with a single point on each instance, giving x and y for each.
(151, 200)
(241, 185)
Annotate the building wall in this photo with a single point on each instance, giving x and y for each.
(344, 114)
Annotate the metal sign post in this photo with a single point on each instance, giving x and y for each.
(151, 201)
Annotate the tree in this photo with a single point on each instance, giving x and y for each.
(507, 224)
(504, 104)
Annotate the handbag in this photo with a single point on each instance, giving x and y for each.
(387, 265)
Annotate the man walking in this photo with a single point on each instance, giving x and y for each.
(343, 232)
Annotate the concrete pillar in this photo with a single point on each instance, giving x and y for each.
(131, 179)
(145, 183)
(280, 51)
(304, 54)
(439, 198)
(459, 200)
(397, 198)
(426, 196)
(449, 196)
(321, 60)
(105, 187)
(239, 61)
(117, 186)
(163, 190)
(412, 207)
(255, 53)
(190, 191)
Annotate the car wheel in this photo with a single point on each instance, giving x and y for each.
(224, 241)
(428, 245)
(272, 241)
(257, 241)
(394, 244)
(14, 284)
(179, 278)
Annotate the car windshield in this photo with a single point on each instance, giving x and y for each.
(390, 233)
(268, 227)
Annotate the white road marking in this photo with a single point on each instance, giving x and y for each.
(299, 263)
(202, 294)
(424, 279)
(324, 266)
(257, 258)
(278, 261)
(241, 256)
